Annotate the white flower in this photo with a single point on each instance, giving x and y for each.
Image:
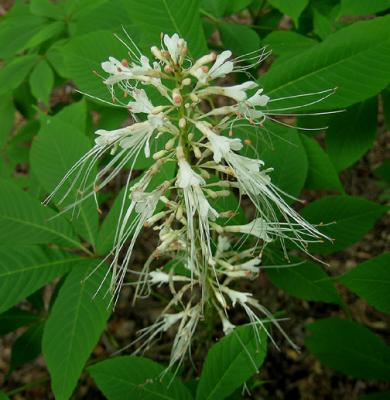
(258, 99)
(140, 134)
(236, 92)
(195, 203)
(175, 46)
(186, 176)
(106, 138)
(258, 227)
(223, 244)
(251, 265)
(142, 104)
(220, 68)
(236, 296)
(157, 277)
(221, 146)
(141, 208)
(227, 326)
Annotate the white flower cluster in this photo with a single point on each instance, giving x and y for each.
(193, 232)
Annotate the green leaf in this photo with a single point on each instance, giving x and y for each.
(74, 326)
(23, 220)
(49, 31)
(170, 16)
(240, 39)
(349, 348)
(3, 396)
(376, 396)
(344, 61)
(26, 347)
(13, 73)
(7, 114)
(321, 173)
(49, 162)
(292, 8)
(105, 17)
(23, 270)
(234, 6)
(304, 280)
(322, 25)
(231, 362)
(383, 171)
(386, 106)
(280, 149)
(347, 219)
(14, 318)
(352, 133)
(288, 43)
(41, 81)
(287, 156)
(362, 7)
(136, 378)
(214, 7)
(371, 281)
(12, 37)
(81, 57)
(45, 8)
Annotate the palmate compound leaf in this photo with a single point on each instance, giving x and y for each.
(345, 219)
(355, 60)
(350, 348)
(24, 221)
(231, 362)
(50, 162)
(74, 326)
(25, 269)
(136, 378)
(371, 281)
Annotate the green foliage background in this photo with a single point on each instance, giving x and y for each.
(45, 128)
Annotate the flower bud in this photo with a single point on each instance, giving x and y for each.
(157, 53)
(170, 143)
(159, 154)
(182, 123)
(176, 96)
(186, 82)
(194, 97)
(197, 152)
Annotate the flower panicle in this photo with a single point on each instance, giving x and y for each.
(171, 96)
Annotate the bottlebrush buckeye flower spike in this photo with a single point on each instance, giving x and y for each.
(172, 96)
